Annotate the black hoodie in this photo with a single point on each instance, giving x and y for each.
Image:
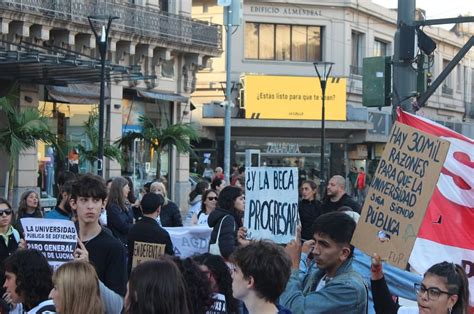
(228, 234)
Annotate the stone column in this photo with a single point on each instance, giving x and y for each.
(115, 126)
(27, 163)
(182, 185)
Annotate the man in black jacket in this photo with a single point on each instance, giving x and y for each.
(336, 196)
(147, 229)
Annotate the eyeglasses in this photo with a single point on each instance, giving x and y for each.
(433, 293)
(5, 211)
(212, 198)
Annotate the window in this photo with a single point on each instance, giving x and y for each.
(447, 88)
(282, 42)
(380, 48)
(357, 52)
(458, 78)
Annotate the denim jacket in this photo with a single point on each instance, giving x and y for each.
(345, 293)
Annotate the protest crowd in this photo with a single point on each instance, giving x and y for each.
(124, 259)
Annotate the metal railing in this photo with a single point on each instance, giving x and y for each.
(135, 19)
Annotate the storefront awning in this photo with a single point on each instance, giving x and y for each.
(150, 94)
(28, 63)
(76, 93)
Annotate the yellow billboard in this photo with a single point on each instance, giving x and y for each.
(293, 98)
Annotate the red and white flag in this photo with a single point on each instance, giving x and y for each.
(447, 230)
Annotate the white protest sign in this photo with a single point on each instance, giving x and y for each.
(55, 238)
(271, 203)
(191, 240)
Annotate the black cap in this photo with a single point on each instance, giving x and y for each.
(150, 202)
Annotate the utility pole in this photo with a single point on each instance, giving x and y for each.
(228, 96)
(404, 77)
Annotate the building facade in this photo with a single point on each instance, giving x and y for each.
(282, 40)
(155, 49)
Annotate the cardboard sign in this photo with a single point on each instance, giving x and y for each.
(271, 203)
(143, 251)
(55, 238)
(188, 241)
(399, 193)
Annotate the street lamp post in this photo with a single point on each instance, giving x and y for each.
(101, 40)
(322, 69)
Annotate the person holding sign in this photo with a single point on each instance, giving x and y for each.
(76, 289)
(262, 269)
(147, 229)
(444, 289)
(226, 221)
(29, 281)
(105, 252)
(335, 287)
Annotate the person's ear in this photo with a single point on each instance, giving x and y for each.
(72, 203)
(452, 301)
(250, 282)
(158, 210)
(345, 253)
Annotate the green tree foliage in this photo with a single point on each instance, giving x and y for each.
(176, 135)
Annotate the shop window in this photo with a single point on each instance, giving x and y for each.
(282, 42)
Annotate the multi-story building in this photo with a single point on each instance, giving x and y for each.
(154, 51)
(281, 38)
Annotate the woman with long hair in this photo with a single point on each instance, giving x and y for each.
(226, 220)
(156, 287)
(198, 288)
(195, 198)
(208, 204)
(133, 200)
(170, 215)
(218, 274)
(76, 289)
(309, 208)
(444, 289)
(29, 206)
(119, 213)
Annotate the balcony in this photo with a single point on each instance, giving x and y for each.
(133, 19)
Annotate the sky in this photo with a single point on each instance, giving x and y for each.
(437, 9)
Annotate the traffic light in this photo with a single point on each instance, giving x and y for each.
(376, 82)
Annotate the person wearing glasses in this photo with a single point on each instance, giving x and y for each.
(208, 204)
(444, 289)
(9, 243)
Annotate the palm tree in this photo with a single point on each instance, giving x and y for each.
(24, 128)
(178, 135)
(90, 155)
